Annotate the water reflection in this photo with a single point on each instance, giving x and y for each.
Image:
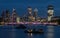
(30, 35)
(12, 33)
(50, 31)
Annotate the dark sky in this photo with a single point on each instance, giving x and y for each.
(21, 6)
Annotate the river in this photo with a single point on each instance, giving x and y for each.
(11, 32)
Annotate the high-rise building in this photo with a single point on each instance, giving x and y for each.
(18, 19)
(29, 11)
(2, 19)
(35, 13)
(50, 12)
(3, 16)
(14, 15)
(25, 17)
(7, 16)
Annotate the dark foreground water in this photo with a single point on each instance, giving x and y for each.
(11, 32)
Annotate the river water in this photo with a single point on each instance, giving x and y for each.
(11, 32)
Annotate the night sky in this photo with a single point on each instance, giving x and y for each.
(21, 6)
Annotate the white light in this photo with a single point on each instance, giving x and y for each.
(14, 9)
(18, 19)
(50, 11)
(29, 8)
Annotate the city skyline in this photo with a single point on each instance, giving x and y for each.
(21, 6)
(29, 18)
(26, 11)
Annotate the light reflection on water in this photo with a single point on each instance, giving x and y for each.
(12, 33)
(50, 32)
(30, 35)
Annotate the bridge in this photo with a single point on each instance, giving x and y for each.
(45, 23)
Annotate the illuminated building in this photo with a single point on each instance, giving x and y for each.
(3, 16)
(30, 16)
(2, 19)
(18, 19)
(55, 19)
(50, 12)
(35, 13)
(14, 15)
(29, 11)
(25, 18)
(43, 20)
(38, 19)
(7, 16)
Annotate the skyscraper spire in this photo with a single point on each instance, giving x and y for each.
(14, 9)
(35, 10)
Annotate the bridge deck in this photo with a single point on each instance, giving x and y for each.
(32, 23)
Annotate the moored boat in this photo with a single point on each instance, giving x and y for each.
(34, 31)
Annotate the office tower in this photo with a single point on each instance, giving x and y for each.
(29, 11)
(7, 16)
(3, 16)
(50, 12)
(18, 19)
(14, 15)
(25, 17)
(35, 13)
